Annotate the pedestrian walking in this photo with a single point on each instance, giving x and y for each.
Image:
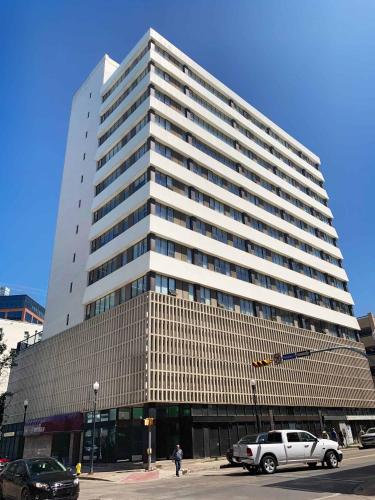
(345, 438)
(177, 456)
(360, 434)
(334, 434)
(341, 438)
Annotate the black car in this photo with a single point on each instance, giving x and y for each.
(38, 479)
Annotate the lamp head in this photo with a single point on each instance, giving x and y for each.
(25, 403)
(253, 382)
(96, 386)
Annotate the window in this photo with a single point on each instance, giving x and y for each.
(191, 294)
(219, 235)
(84, 156)
(137, 413)
(164, 180)
(21, 469)
(16, 315)
(140, 248)
(79, 203)
(205, 295)
(166, 285)
(74, 257)
(124, 413)
(86, 134)
(67, 319)
(275, 437)
(70, 287)
(164, 212)
(225, 301)
(165, 247)
(201, 259)
(77, 227)
(222, 267)
(88, 114)
(139, 286)
(242, 273)
(306, 437)
(81, 179)
(292, 437)
(246, 307)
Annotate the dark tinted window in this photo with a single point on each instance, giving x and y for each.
(21, 469)
(306, 437)
(12, 467)
(293, 437)
(250, 439)
(41, 466)
(274, 437)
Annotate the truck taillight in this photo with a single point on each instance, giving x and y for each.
(249, 452)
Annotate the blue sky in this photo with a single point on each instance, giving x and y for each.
(308, 65)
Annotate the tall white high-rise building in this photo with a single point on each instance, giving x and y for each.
(173, 182)
(193, 237)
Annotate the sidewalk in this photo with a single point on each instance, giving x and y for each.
(125, 472)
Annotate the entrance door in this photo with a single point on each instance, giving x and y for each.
(214, 442)
(60, 446)
(198, 442)
(224, 439)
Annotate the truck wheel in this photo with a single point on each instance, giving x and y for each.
(331, 460)
(268, 464)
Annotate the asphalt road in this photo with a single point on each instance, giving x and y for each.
(355, 479)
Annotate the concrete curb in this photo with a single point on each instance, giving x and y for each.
(93, 478)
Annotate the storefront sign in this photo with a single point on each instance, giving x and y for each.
(68, 422)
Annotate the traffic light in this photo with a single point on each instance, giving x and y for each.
(149, 421)
(262, 362)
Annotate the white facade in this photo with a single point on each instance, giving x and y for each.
(14, 332)
(252, 173)
(71, 247)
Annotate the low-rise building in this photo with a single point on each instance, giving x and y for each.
(21, 308)
(14, 332)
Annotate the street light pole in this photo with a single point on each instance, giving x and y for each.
(25, 405)
(253, 383)
(96, 388)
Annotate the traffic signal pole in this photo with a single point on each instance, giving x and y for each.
(149, 422)
(279, 358)
(149, 451)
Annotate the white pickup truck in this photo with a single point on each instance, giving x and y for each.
(267, 450)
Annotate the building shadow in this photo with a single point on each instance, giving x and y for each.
(355, 481)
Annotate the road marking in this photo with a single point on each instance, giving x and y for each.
(328, 496)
